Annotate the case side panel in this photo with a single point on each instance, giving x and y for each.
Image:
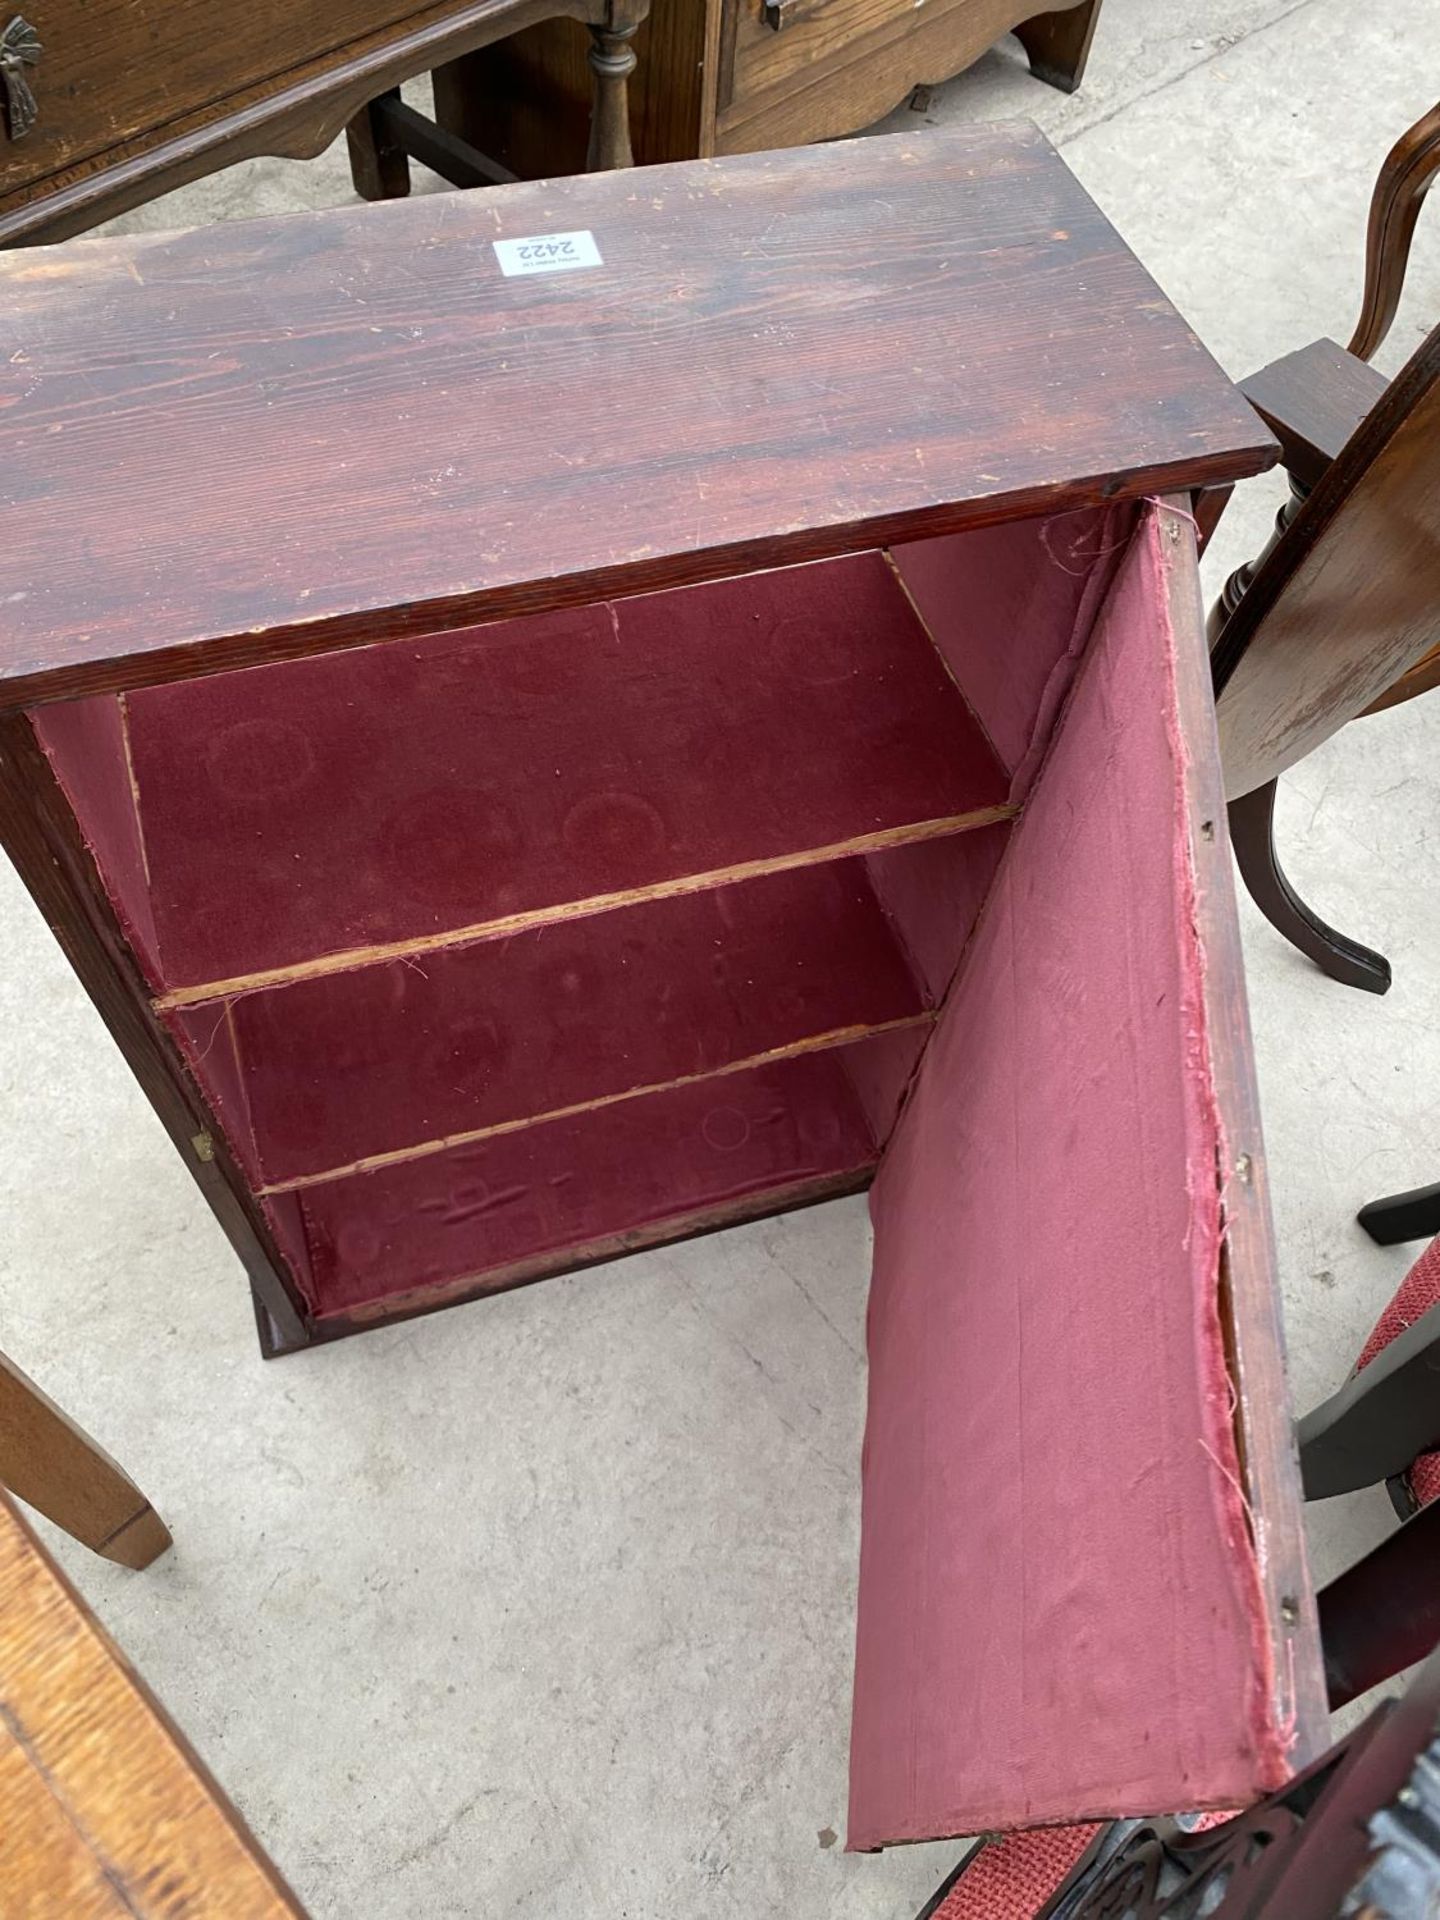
(88, 744)
(40, 832)
(1010, 609)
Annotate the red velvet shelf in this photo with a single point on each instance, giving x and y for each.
(588, 1186)
(579, 875)
(395, 1057)
(325, 812)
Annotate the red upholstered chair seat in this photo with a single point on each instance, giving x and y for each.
(1013, 1877)
(1418, 1292)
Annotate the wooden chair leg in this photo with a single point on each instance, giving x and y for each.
(1383, 1614)
(1381, 1420)
(54, 1466)
(378, 163)
(1402, 1216)
(612, 61)
(1058, 44)
(1252, 833)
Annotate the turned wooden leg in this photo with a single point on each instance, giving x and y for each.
(55, 1467)
(378, 165)
(1252, 834)
(1236, 587)
(612, 61)
(1058, 44)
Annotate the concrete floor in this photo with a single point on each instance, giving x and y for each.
(544, 1605)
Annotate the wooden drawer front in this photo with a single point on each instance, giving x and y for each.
(113, 69)
(815, 38)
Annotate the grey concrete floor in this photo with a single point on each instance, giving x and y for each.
(544, 1605)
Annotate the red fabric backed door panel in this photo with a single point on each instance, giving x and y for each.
(1060, 1614)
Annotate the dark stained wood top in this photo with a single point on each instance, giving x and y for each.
(287, 435)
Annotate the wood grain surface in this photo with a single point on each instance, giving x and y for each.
(838, 64)
(281, 436)
(525, 98)
(1410, 170)
(1312, 400)
(1249, 1279)
(53, 1465)
(296, 110)
(1348, 602)
(105, 1813)
(112, 69)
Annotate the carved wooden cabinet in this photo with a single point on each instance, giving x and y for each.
(731, 76)
(106, 103)
(562, 719)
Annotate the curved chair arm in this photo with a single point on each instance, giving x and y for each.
(1409, 171)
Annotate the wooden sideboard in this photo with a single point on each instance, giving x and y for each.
(108, 103)
(733, 76)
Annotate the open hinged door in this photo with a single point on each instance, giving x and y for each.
(1082, 1579)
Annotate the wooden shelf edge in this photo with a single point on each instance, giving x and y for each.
(351, 959)
(423, 1150)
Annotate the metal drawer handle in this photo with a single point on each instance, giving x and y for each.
(19, 48)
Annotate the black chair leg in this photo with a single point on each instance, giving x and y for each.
(1252, 833)
(1378, 1423)
(1382, 1614)
(1402, 1216)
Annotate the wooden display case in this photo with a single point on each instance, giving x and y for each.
(533, 764)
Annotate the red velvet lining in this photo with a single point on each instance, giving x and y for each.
(386, 1057)
(412, 789)
(567, 1183)
(1060, 1612)
(932, 893)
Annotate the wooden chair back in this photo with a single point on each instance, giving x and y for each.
(1349, 599)
(1410, 170)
